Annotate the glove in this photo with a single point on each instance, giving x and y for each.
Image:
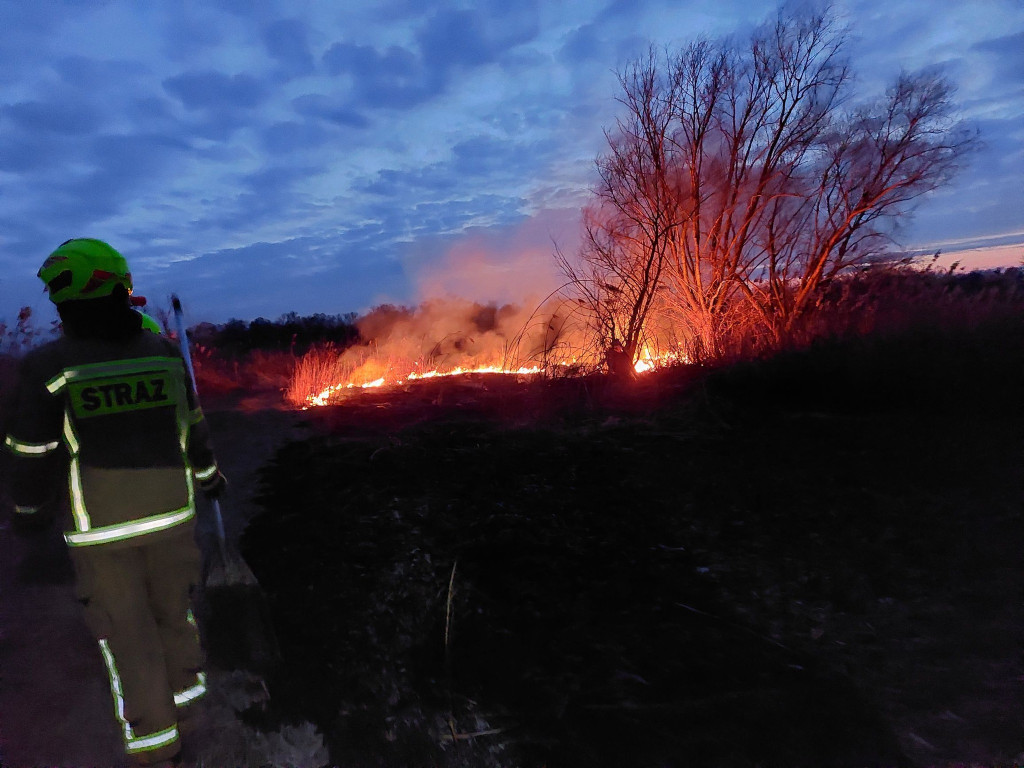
(213, 486)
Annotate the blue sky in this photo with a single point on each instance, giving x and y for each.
(258, 157)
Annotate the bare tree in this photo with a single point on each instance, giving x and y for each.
(739, 181)
(636, 216)
(870, 167)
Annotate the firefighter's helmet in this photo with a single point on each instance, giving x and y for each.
(84, 268)
(149, 324)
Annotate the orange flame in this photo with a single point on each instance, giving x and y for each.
(324, 396)
(646, 362)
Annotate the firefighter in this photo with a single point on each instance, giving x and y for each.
(149, 324)
(115, 402)
(619, 362)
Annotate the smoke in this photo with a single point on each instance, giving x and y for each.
(441, 335)
(503, 265)
(489, 300)
(452, 333)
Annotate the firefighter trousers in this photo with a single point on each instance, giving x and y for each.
(138, 606)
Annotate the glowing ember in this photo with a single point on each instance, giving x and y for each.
(647, 361)
(325, 395)
(485, 369)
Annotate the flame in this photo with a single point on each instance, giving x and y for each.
(525, 371)
(644, 365)
(648, 360)
(324, 396)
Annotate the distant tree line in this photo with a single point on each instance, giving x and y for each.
(289, 333)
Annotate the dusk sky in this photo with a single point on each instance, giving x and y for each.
(260, 157)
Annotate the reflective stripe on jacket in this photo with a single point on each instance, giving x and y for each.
(127, 421)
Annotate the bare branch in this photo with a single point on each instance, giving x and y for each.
(737, 180)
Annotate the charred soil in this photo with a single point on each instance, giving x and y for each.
(807, 561)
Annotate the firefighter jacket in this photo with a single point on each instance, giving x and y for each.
(123, 416)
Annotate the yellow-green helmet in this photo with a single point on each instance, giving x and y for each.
(149, 324)
(84, 268)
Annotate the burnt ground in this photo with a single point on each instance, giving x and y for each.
(808, 561)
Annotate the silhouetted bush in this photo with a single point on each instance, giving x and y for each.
(893, 298)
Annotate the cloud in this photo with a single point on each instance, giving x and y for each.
(999, 82)
(392, 183)
(363, 144)
(241, 8)
(447, 41)
(152, 112)
(498, 159)
(287, 42)
(188, 33)
(270, 201)
(1009, 53)
(291, 275)
(486, 167)
(23, 154)
(216, 90)
(120, 168)
(583, 44)
(293, 136)
(326, 108)
(453, 38)
(216, 104)
(455, 216)
(394, 77)
(24, 25)
(61, 118)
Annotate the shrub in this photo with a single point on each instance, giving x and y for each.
(24, 335)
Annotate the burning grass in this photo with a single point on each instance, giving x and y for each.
(395, 345)
(810, 560)
(453, 338)
(323, 375)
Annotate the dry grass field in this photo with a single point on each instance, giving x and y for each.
(805, 559)
(811, 560)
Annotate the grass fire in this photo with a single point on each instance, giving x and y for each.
(455, 338)
(799, 558)
(565, 569)
(679, 461)
(332, 392)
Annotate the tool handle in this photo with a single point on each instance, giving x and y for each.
(218, 520)
(179, 322)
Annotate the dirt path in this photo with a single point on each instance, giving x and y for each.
(55, 703)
